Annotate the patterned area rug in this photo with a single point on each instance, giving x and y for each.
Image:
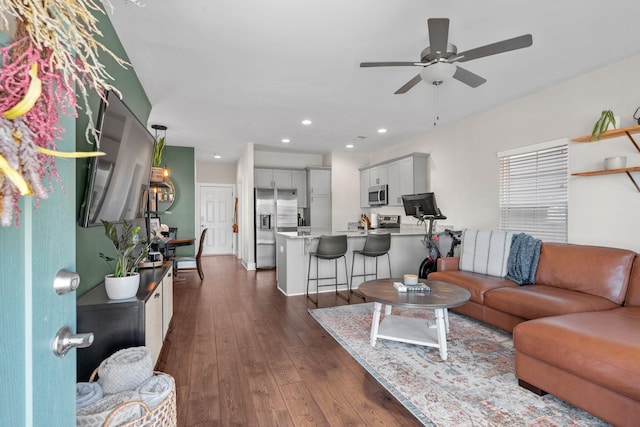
(476, 386)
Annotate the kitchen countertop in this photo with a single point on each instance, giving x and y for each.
(314, 234)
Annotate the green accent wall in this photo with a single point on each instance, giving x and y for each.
(182, 214)
(91, 241)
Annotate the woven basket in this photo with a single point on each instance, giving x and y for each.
(163, 415)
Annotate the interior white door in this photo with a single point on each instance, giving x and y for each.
(216, 214)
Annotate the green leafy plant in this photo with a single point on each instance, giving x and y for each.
(606, 118)
(158, 149)
(129, 247)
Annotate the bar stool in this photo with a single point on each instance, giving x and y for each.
(329, 248)
(376, 245)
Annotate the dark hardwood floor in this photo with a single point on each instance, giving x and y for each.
(243, 354)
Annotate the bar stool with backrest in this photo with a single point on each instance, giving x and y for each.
(329, 248)
(376, 245)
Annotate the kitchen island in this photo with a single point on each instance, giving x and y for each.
(292, 259)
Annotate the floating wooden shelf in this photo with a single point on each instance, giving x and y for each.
(608, 171)
(614, 133)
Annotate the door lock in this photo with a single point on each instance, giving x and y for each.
(66, 281)
(65, 340)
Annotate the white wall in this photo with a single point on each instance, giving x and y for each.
(464, 169)
(345, 188)
(214, 172)
(244, 182)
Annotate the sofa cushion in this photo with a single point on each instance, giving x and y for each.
(590, 269)
(633, 290)
(600, 347)
(477, 284)
(485, 251)
(535, 301)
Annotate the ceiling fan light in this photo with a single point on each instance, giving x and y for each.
(438, 72)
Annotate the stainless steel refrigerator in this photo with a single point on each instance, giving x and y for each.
(276, 210)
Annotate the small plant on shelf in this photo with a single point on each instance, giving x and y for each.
(606, 119)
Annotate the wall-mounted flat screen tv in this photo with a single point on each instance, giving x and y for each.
(118, 182)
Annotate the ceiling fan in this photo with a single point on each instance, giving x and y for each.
(437, 61)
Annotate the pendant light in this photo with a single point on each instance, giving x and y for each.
(162, 128)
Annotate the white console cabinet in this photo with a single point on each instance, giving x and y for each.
(118, 324)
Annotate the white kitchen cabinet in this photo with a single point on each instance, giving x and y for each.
(320, 211)
(263, 178)
(319, 181)
(153, 324)
(379, 175)
(404, 175)
(299, 181)
(272, 178)
(282, 178)
(167, 302)
(364, 188)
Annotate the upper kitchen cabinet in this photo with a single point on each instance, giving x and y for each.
(299, 181)
(404, 175)
(272, 178)
(319, 180)
(379, 175)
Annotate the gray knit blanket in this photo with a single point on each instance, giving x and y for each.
(523, 259)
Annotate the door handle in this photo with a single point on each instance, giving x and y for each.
(65, 340)
(66, 281)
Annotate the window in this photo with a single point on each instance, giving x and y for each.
(533, 190)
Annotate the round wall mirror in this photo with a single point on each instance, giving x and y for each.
(165, 194)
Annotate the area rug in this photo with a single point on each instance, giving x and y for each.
(475, 386)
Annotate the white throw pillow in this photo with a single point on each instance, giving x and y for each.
(485, 251)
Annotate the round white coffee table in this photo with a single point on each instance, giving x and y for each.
(407, 329)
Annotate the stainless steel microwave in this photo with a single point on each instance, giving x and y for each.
(378, 195)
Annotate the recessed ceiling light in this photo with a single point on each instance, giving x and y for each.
(306, 122)
(286, 140)
(217, 156)
(382, 130)
(349, 145)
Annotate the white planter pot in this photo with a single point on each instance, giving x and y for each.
(122, 287)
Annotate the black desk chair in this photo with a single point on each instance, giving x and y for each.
(329, 248)
(375, 245)
(191, 260)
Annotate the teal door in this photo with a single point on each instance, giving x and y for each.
(38, 388)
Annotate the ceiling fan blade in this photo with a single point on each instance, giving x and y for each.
(408, 85)
(438, 34)
(468, 78)
(498, 47)
(386, 64)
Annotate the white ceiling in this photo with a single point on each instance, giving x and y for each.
(220, 74)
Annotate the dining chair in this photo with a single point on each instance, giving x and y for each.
(190, 260)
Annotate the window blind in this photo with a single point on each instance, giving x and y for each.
(534, 194)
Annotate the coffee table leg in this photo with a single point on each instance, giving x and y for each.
(387, 310)
(446, 319)
(375, 322)
(442, 332)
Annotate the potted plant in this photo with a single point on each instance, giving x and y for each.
(605, 122)
(156, 169)
(130, 249)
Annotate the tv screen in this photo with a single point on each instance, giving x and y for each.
(118, 182)
(421, 205)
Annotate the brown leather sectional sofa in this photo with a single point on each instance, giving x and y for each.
(576, 331)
